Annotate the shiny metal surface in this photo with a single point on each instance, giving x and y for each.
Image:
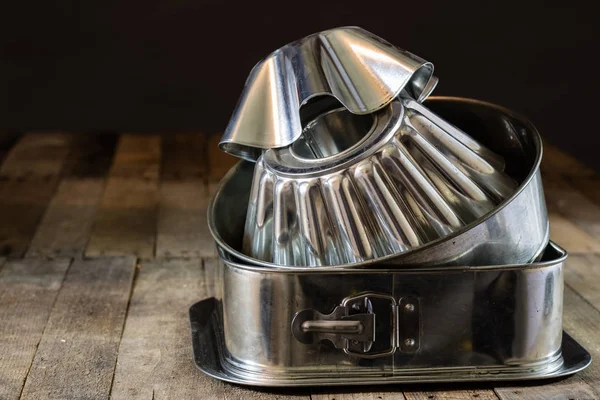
(360, 70)
(472, 323)
(435, 191)
(410, 178)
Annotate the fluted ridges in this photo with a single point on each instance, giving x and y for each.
(430, 180)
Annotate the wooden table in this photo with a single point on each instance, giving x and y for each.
(104, 247)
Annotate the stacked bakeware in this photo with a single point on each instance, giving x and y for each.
(375, 235)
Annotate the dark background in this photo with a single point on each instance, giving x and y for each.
(179, 65)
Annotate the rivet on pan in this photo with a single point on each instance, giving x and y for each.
(409, 307)
(410, 342)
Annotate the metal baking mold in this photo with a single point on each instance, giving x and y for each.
(307, 327)
(435, 165)
(356, 188)
(362, 71)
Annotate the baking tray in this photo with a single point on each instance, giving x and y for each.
(269, 327)
(208, 348)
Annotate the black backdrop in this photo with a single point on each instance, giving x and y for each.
(166, 65)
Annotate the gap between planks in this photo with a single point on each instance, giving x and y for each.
(78, 349)
(28, 178)
(155, 353)
(435, 393)
(28, 289)
(184, 196)
(125, 222)
(66, 226)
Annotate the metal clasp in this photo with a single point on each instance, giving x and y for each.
(351, 326)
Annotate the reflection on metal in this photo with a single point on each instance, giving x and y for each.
(406, 178)
(369, 239)
(467, 324)
(352, 216)
(360, 70)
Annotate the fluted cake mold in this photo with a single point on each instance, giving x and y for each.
(360, 70)
(357, 188)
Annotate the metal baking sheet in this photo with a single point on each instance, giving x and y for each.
(207, 340)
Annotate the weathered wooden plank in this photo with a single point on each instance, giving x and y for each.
(37, 155)
(22, 205)
(126, 218)
(479, 394)
(577, 208)
(137, 157)
(28, 179)
(155, 356)
(570, 236)
(582, 273)
(219, 162)
(184, 156)
(182, 226)
(28, 289)
(582, 321)
(589, 186)
(67, 223)
(66, 226)
(558, 162)
(366, 394)
(77, 354)
(566, 391)
(91, 156)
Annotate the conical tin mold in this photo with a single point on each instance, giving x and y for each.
(514, 231)
(354, 188)
(361, 71)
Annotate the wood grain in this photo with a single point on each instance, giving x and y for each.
(66, 226)
(28, 178)
(557, 162)
(590, 187)
(566, 391)
(90, 156)
(152, 192)
(576, 207)
(582, 321)
(570, 236)
(22, 205)
(452, 395)
(155, 356)
(67, 223)
(77, 354)
(357, 395)
(37, 155)
(28, 289)
(126, 219)
(182, 227)
(582, 274)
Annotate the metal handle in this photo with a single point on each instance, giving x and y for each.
(336, 327)
(351, 325)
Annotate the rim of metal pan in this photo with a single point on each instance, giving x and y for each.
(560, 256)
(241, 257)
